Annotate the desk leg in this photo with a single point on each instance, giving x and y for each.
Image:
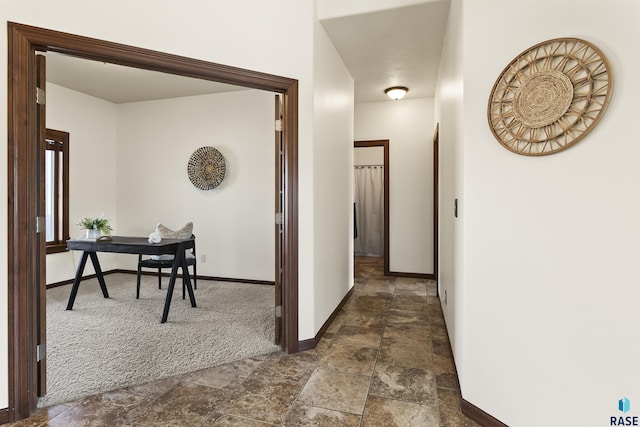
(76, 281)
(172, 282)
(178, 261)
(187, 281)
(96, 267)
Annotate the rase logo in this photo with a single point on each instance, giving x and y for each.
(624, 405)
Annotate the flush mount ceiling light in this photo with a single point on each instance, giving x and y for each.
(396, 92)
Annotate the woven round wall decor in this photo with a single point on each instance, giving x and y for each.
(206, 168)
(550, 97)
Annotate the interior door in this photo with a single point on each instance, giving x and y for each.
(41, 249)
(279, 200)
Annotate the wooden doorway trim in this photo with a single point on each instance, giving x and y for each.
(436, 201)
(385, 144)
(23, 42)
(278, 201)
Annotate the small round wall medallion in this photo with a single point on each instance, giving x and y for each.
(206, 168)
(550, 97)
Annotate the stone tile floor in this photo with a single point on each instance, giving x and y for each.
(384, 361)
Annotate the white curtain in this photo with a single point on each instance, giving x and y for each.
(369, 210)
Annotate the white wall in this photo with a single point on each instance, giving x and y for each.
(92, 127)
(233, 223)
(333, 178)
(449, 102)
(408, 125)
(368, 156)
(218, 31)
(550, 243)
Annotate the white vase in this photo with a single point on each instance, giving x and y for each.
(93, 233)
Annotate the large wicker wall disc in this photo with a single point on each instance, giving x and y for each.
(206, 168)
(550, 96)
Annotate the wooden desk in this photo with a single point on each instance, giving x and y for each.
(133, 245)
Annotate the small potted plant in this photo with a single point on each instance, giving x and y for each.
(96, 226)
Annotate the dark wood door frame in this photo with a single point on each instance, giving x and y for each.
(41, 241)
(278, 193)
(384, 143)
(436, 201)
(23, 43)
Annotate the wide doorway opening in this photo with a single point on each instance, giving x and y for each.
(27, 336)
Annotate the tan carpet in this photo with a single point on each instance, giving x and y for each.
(103, 344)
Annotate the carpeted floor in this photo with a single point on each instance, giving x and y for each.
(103, 344)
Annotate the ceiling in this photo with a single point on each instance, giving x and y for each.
(119, 84)
(395, 47)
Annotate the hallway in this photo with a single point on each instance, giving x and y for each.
(384, 361)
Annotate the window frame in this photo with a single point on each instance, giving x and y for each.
(61, 228)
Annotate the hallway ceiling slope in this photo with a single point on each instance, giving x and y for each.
(392, 47)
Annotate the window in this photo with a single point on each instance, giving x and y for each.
(56, 177)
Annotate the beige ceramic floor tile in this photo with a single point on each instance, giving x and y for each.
(381, 412)
(185, 404)
(267, 409)
(369, 303)
(335, 390)
(218, 420)
(409, 333)
(363, 319)
(355, 360)
(397, 352)
(402, 383)
(449, 407)
(411, 289)
(357, 336)
(304, 416)
(224, 375)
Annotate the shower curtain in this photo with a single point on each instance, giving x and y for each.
(369, 210)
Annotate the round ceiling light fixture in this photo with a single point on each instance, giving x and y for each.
(396, 92)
